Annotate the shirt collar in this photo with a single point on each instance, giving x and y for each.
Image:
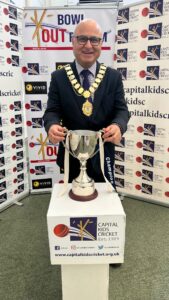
(92, 69)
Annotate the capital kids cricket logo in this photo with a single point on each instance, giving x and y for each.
(80, 229)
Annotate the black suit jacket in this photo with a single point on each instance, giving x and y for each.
(64, 104)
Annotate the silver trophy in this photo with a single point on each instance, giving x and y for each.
(81, 144)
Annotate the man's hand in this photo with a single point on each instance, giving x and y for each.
(56, 133)
(112, 134)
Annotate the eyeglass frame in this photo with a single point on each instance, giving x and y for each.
(98, 39)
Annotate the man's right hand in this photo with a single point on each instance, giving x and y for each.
(56, 133)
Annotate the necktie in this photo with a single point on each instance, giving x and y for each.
(87, 107)
(86, 83)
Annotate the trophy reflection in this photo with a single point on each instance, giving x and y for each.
(82, 144)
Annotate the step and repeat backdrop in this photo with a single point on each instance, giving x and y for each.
(142, 56)
(140, 35)
(47, 47)
(13, 166)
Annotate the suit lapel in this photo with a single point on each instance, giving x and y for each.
(98, 96)
(79, 100)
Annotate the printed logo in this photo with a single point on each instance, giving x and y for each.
(20, 177)
(18, 131)
(123, 16)
(36, 87)
(147, 189)
(119, 182)
(147, 175)
(149, 129)
(148, 161)
(156, 9)
(40, 170)
(12, 12)
(2, 161)
(153, 52)
(17, 106)
(13, 29)
(1, 148)
(14, 45)
(36, 105)
(3, 197)
(122, 36)
(47, 151)
(148, 145)
(155, 31)
(33, 68)
(152, 73)
(1, 136)
(2, 174)
(42, 184)
(123, 72)
(122, 55)
(19, 155)
(81, 229)
(119, 169)
(37, 123)
(20, 188)
(20, 167)
(18, 119)
(119, 155)
(2, 186)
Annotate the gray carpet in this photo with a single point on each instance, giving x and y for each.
(26, 273)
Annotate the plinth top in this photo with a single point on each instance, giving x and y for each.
(107, 203)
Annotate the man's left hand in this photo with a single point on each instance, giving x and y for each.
(112, 134)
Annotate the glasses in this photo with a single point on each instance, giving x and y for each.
(83, 39)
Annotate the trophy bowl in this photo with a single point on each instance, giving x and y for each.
(82, 144)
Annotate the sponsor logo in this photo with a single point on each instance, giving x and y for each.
(12, 12)
(119, 155)
(42, 184)
(37, 123)
(147, 189)
(36, 87)
(119, 182)
(13, 29)
(119, 169)
(122, 55)
(122, 36)
(147, 175)
(80, 229)
(153, 52)
(14, 45)
(123, 16)
(6, 73)
(33, 69)
(155, 31)
(148, 145)
(148, 161)
(156, 9)
(123, 72)
(3, 197)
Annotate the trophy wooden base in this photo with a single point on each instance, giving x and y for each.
(83, 198)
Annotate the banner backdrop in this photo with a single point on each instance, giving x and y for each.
(142, 56)
(13, 166)
(47, 45)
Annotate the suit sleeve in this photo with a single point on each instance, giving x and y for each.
(52, 114)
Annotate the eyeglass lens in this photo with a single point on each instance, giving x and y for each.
(82, 40)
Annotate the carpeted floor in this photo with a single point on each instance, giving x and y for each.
(26, 272)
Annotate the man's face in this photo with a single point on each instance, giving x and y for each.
(87, 52)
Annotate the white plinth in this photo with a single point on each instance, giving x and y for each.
(85, 282)
(85, 237)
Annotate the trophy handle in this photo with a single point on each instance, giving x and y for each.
(100, 132)
(66, 144)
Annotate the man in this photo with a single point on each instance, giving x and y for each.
(100, 105)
